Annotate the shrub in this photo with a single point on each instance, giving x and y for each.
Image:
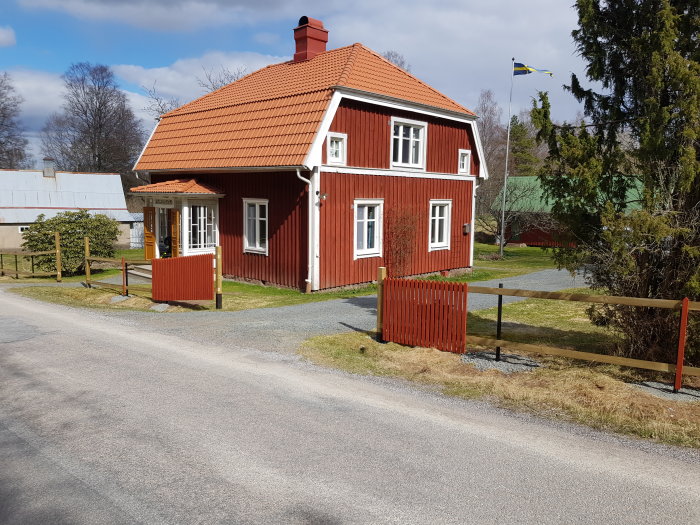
(73, 226)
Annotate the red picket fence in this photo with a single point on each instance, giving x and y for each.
(432, 314)
(188, 278)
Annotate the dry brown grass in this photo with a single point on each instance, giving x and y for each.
(594, 395)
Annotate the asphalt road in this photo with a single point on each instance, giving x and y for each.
(103, 420)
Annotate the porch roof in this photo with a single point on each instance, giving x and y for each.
(180, 186)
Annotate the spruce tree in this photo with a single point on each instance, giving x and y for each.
(626, 185)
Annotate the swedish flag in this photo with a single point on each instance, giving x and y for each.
(522, 69)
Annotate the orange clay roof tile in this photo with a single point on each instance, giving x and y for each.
(270, 117)
(189, 186)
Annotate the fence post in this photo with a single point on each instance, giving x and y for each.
(678, 382)
(16, 268)
(498, 323)
(32, 258)
(125, 279)
(59, 263)
(2, 266)
(87, 262)
(381, 275)
(219, 280)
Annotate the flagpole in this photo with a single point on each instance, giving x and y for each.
(505, 173)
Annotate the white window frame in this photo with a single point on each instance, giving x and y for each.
(467, 170)
(379, 231)
(343, 160)
(444, 245)
(423, 146)
(256, 249)
(22, 229)
(186, 217)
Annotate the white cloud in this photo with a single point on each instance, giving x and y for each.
(166, 15)
(7, 36)
(179, 79)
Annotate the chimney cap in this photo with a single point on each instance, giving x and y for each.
(305, 20)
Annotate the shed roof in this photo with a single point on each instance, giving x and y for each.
(24, 194)
(270, 117)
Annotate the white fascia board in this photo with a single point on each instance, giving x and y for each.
(483, 169)
(146, 145)
(315, 154)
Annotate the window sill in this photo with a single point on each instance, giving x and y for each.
(254, 251)
(437, 248)
(367, 255)
(407, 167)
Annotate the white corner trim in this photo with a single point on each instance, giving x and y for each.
(475, 184)
(315, 253)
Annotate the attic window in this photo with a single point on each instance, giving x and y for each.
(337, 148)
(465, 162)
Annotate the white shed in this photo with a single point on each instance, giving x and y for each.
(24, 194)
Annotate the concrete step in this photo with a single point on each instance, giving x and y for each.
(142, 270)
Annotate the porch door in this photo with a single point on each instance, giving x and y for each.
(165, 240)
(175, 236)
(149, 232)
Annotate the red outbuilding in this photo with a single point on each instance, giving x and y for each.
(312, 173)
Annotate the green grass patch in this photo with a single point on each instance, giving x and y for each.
(522, 260)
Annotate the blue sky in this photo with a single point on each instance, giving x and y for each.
(458, 46)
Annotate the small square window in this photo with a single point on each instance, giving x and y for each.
(368, 228)
(336, 152)
(23, 229)
(440, 222)
(464, 162)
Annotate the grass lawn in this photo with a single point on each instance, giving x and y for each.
(597, 395)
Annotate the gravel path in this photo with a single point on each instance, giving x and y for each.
(283, 329)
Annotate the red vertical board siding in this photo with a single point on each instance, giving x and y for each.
(401, 195)
(184, 278)
(425, 313)
(286, 262)
(369, 137)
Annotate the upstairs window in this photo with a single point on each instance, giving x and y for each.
(464, 165)
(255, 219)
(337, 148)
(408, 143)
(440, 219)
(368, 228)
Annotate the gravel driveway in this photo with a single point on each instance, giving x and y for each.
(283, 329)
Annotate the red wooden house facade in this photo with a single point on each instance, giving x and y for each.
(312, 173)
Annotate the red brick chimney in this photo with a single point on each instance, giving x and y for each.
(310, 37)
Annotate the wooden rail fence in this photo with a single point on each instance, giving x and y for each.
(412, 320)
(17, 256)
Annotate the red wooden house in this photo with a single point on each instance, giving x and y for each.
(312, 173)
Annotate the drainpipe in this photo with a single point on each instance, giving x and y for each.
(311, 239)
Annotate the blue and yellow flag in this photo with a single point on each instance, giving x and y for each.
(522, 69)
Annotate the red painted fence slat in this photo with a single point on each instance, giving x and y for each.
(425, 313)
(188, 278)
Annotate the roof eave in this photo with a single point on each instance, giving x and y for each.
(219, 170)
(417, 105)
